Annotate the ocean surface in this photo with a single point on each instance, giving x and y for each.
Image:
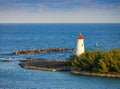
(15, 37)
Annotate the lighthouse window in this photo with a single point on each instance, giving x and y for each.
(82, 45)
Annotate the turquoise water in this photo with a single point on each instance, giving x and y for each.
(27, 36)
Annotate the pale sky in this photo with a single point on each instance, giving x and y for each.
(59, 11)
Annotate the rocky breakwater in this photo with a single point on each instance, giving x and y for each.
(28, 59)
(60, 65)
(33, 51)
(50, 65)
(111, 75)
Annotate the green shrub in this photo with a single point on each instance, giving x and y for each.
(97, 61)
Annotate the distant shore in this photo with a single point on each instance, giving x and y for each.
(61, 65)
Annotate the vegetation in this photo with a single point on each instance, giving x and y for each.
(98, 61)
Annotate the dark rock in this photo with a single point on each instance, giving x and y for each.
(27, 59)
(32, 51)
(58, 65)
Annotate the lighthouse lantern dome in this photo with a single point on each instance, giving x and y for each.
(80, 36)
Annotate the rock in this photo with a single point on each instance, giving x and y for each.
(32, 51)
(116, 75)
(53, 65)
(27, 59)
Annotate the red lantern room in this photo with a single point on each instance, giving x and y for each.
(80, 36)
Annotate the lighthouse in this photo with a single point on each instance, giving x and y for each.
(80, 45)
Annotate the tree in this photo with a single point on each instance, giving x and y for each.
(98, 61)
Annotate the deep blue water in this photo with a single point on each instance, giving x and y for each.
(27, 36)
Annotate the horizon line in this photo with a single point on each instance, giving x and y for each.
(60, 23)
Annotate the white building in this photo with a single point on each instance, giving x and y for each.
(80, 45)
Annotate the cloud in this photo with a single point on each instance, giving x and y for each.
(59, 11)
(57, 4)
(80, 16)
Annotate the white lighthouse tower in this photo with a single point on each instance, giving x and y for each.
(80, 45)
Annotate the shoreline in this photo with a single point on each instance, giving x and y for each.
(109, 75)
(39, 68)
(59, 65)
(76, 72)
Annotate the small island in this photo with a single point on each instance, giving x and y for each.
(97, 63)
(85, 62)
(93, 63)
